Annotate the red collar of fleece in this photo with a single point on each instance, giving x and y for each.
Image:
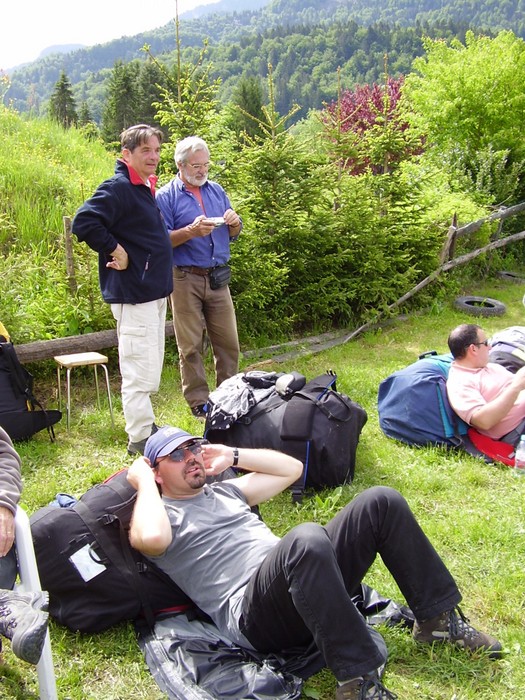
(135, 178)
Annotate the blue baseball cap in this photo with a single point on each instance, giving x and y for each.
(164, 441)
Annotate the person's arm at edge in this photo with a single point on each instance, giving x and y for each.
(10, 490)
(270, 471)
(150, 529)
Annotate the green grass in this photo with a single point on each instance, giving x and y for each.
(474, 514)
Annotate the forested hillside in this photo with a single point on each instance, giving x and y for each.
(343, 214)
(306, 41)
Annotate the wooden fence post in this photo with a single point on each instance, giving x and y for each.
(70, 263)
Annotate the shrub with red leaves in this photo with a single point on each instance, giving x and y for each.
(379, 136)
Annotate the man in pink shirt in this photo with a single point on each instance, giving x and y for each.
(484, 394)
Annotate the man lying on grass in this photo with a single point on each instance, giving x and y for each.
(273, 594)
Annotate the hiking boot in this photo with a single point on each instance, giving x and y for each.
(452, 626)
(199, 411)
(363, 689)
(137, 448)
(38, 600)
(24, 625)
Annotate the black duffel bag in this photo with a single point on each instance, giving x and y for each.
(316, 424)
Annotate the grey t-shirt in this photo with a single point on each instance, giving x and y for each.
(217, 545)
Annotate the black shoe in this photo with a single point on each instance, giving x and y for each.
(199, 411)
(137, 448)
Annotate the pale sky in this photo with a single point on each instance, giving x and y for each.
(27, 27)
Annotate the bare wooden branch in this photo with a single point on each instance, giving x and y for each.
(502, 213)
(461, 260)
(47, 349)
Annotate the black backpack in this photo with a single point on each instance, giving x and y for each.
(21, 414)
(508, 348)
(316, 424)
(94, 577)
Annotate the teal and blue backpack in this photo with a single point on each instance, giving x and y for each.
(413, 404)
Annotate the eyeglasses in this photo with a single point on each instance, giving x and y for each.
(178, 455)
(198, 166)
(486, 343)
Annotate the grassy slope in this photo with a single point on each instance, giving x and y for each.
(473, 513)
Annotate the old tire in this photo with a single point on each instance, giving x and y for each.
(511, 277)
(480, 306)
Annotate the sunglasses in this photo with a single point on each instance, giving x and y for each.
(486, 343)
(178, 455)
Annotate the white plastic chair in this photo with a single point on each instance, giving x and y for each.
(30, 581)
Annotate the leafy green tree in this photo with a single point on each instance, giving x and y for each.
(468, 100)
(62, 107)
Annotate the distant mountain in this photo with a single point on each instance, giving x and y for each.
(59, 48)
(223, 6)
(306, 41)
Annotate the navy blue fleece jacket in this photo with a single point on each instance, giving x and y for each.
(123, 210)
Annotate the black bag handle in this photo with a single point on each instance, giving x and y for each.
(326, 382)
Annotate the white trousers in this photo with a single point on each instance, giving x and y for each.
(141, 339)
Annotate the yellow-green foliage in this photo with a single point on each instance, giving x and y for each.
(46, 172)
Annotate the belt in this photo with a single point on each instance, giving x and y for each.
(202, 271)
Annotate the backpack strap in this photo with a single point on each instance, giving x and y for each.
(119, 557)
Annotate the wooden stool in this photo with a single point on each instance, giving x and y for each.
(77, 360)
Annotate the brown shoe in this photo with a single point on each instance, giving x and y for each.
(452, 626)
(363, 689)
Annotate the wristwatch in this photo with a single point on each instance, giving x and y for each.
(235, 457)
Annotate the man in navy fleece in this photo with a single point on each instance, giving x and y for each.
(123, 224)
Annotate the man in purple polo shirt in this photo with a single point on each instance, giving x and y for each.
(201, 224)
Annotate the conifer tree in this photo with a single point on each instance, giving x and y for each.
(245, 113)
(284, 258)
(120, 111)
(84, 115)
(150, 79)
(188, 103)
(62, 107)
